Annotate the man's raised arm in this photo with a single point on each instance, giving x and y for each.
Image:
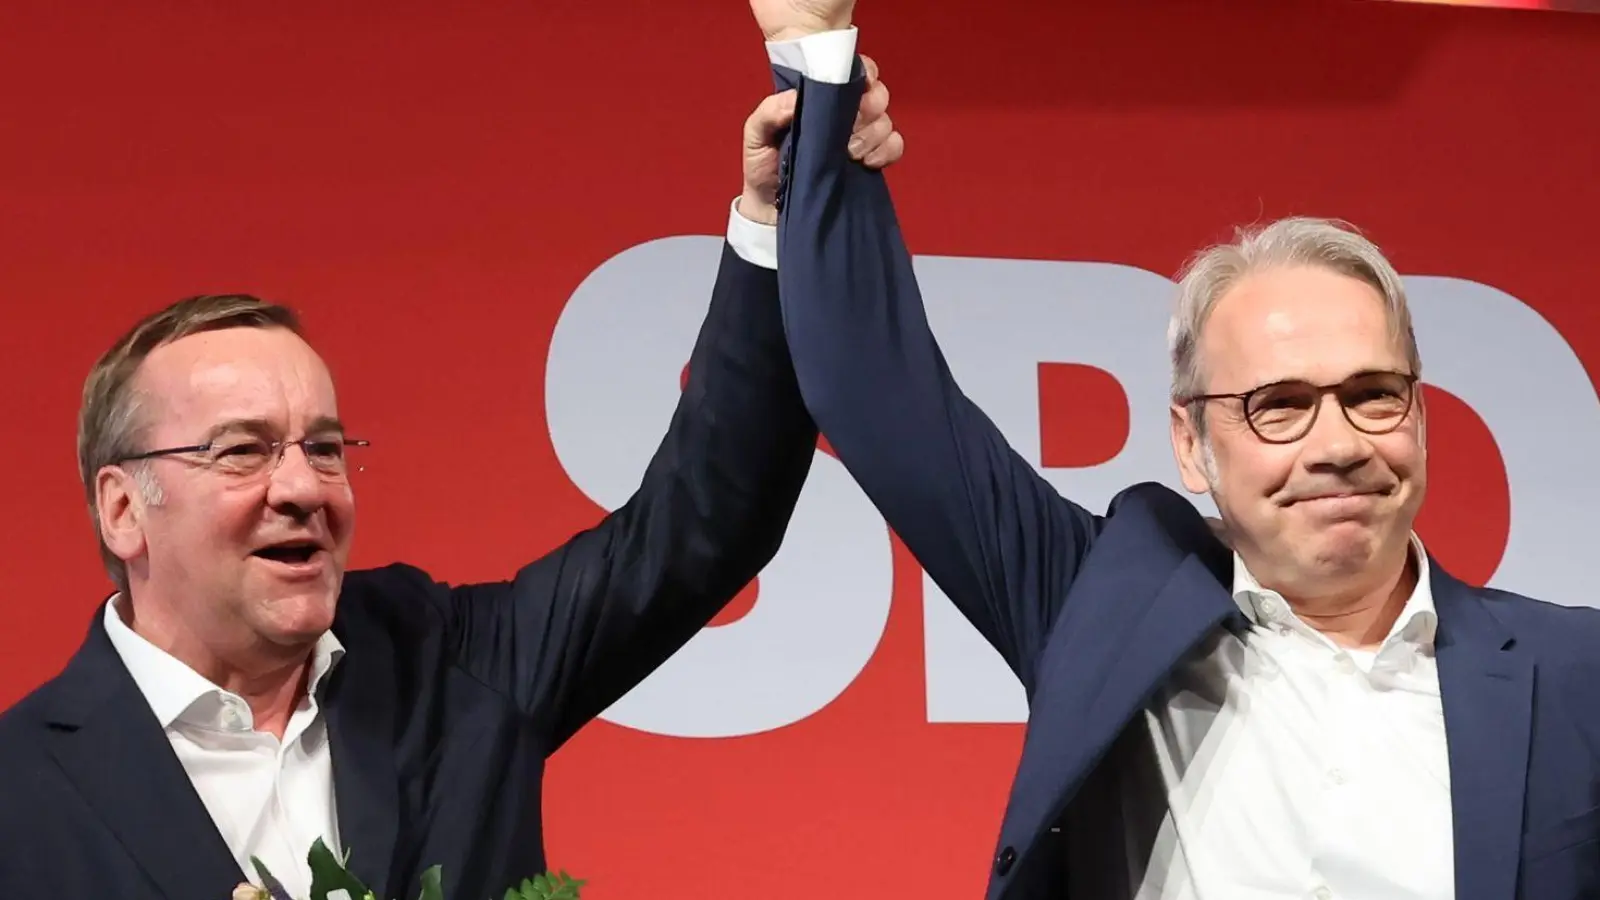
(993, 534)
(578, 628)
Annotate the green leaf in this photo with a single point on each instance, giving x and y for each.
(328, 874)
(431, 888)
(547, 886)
(563, 886)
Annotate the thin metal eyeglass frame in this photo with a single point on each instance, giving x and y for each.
(279, 448)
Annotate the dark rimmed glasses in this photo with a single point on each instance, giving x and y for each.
(1285, 411)
(246, 457)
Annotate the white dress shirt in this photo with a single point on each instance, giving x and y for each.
(1289, 766)
(269, 799)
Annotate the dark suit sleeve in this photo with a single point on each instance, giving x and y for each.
(993, 534)
(581, 626)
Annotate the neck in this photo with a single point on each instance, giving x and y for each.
(270, 678)
(1361, 614)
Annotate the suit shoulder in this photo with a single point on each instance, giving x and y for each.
(1150, 498)
(1547, 625)
(22, 746)
(398, 599)
(1160, 512)
(22, 715)
(398, 579)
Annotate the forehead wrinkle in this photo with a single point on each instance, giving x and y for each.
(207, 380)
(1265, 330)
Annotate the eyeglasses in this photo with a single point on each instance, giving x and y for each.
(1285, 411)
(243, 457)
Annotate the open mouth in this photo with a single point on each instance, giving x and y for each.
(289, 553)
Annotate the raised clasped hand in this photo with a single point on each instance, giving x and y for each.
(874, 142)
(784, 20)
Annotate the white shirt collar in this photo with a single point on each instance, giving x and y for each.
(170, 686)
(1417, 624)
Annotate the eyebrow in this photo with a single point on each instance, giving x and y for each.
(1359, 373)
(264, 428)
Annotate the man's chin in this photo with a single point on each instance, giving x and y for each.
(1345, 549)
(297, 617)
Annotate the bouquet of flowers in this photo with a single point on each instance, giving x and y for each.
(330, 880)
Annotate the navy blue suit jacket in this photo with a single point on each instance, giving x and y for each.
(448, 699)
(1093, 611)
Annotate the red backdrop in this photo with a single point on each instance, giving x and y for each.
(429, 187)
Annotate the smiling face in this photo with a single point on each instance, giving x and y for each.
(1333, 510)
(236, 562)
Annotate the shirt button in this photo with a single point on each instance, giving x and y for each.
(1346, 664)
(231, 717)
(1337, 776)
(1322, 893)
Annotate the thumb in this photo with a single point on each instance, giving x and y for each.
(773, 115)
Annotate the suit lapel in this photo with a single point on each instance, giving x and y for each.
(1191, 605)
(1101, 667)
(1487, 687)
(360, 707)
(109, 743)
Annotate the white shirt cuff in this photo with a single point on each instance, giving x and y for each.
(826, 56)
(756, 244)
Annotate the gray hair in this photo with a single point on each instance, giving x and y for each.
(1294, 241)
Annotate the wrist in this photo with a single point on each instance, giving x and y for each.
(757, 207)
(796, 32)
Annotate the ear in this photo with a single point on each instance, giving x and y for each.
(121, 507)
(1189, 451)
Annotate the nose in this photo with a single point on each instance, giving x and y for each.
(1333, 442)
(294, 484)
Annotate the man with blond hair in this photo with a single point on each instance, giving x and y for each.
(1318, 711)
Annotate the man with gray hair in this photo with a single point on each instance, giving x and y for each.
(1317, 710)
